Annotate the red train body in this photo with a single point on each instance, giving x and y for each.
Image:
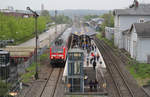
(59, 49)
(58, 55)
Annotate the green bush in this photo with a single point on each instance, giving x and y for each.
(44, 56)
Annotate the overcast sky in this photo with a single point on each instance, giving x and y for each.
(68, 4)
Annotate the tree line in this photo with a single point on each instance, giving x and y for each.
(19, 29)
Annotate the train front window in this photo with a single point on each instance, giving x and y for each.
(57, 50)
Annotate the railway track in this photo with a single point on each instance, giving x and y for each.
(50, 86)
(47, 87)
(119, 80)
(117, 71)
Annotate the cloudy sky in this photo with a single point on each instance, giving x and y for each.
(68, 4)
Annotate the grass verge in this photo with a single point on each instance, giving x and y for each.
(30, 72)
(140, 71)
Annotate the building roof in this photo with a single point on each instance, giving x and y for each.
(3, 52)
(97, 19)
(125, 31)
(142, 29)
(143, 10)
(78, 31)
(15, 11)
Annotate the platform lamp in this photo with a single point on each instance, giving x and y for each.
(36, 17)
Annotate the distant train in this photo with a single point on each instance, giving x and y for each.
(59, 49)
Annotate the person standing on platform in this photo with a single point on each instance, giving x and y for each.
(94, 57)
(88, 50)
(92, 54)
(86, 79)
(94, 64)
(92, 47)
(98, 56)
(95, 47)
(83, 46)
(91, 85)
(95, 84)
(87, 61)
(91, 60)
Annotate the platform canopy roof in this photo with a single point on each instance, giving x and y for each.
(19, 51)
(76, 50)
(75, 30)
(87, 31)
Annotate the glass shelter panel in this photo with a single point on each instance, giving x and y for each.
(70, 68)
(75, 84)
(77, 68)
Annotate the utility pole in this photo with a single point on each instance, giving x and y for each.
(55, 22)
(36, 17)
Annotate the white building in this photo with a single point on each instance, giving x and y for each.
(96, 22)
(124, 18)
(109, 32)
(138, 41)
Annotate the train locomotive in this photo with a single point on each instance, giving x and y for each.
(59, 49)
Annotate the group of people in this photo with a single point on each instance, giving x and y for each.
(93, 85)
(94, 56)
(85, 44)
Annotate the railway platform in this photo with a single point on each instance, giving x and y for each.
(94, 81)
(98, 73)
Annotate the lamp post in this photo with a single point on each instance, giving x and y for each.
(55, 22)
(35, 16)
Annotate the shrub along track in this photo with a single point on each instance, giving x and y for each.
(123, 83)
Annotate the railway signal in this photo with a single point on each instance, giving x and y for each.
(36, 40)
(56, 21)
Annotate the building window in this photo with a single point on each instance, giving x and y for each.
(2, 59)
(141, 20)
(148, 59)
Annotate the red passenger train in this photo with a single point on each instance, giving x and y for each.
(58, 52)
(59, 49)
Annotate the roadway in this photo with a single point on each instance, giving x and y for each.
(50, 34)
